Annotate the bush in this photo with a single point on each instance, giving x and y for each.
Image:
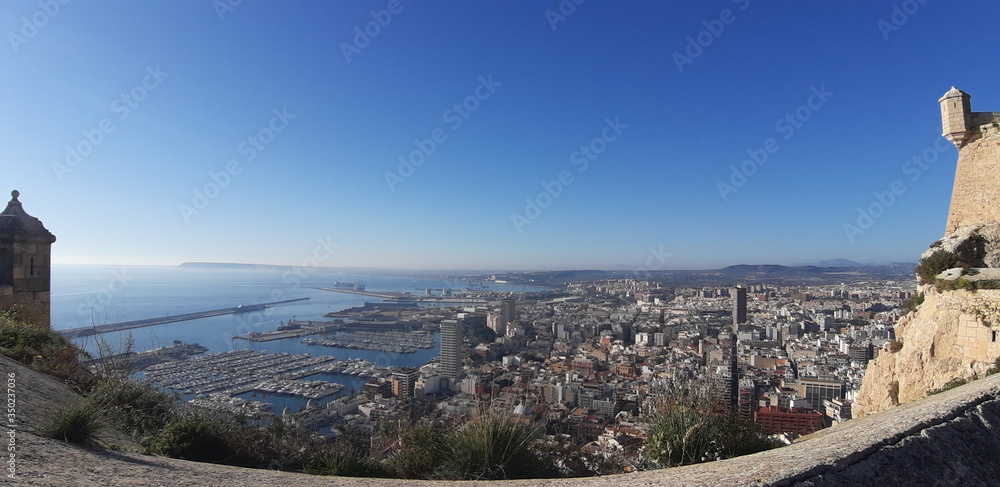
(938, 262)
(683, 434)
(914, 302)
(895, 346)
(349, 465)
(968, 254)
(42, 350)
(278, 445)
(195, 436)
(421, 450)
(490, 446)
(77, 424)
(139, 409)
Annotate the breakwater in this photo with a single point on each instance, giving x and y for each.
(129, 325)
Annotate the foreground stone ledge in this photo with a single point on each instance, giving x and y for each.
(945, 439)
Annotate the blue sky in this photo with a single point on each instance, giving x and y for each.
(290, 123)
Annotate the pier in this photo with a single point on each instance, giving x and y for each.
(129, 325)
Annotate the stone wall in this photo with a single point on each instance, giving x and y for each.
(975, 197)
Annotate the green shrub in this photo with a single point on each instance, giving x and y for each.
(938, 262)
(349, 465)
(79, 424)
(137, 408)
(914, 302)
(968, 254)
(195, 436)
(43, 350)
(278, 445)
(490, 446)
(895, 346)
(422, 448)
(683, 434)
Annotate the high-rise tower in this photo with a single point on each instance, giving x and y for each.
(25, 263)
(508, 310)
(739, 295)
(451, 348)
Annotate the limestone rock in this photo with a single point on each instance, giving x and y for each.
(953, 335)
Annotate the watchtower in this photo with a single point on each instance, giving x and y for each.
(975, 198)
(25, 263)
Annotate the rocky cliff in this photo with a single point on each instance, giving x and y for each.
(953, 335)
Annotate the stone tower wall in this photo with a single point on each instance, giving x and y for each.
(975, 198)
(32, 274)
(25, 264)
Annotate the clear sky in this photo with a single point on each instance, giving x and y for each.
(160, 132)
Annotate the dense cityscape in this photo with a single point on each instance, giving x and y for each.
(585, 364)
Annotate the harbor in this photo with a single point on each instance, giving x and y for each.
(73, 333)
(405, 297)
(218, 378)
(383, 341)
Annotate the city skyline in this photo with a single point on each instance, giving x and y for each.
(494, 135)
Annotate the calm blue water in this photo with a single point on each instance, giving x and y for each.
(86, 295)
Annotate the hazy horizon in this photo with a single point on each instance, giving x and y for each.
(487, 135)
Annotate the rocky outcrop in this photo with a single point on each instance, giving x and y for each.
(954, 335)
(948, 338)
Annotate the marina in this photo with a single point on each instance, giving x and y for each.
(384, 341)
(215, 377)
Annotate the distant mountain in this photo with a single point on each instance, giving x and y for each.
(771, 270)
(833, 263)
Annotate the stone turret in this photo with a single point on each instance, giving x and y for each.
(975, 198)
(956, 116)
(25, 263)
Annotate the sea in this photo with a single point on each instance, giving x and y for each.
(96, 295)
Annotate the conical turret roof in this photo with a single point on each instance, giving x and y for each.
(16, 224)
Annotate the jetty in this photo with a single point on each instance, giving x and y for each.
(129, 325)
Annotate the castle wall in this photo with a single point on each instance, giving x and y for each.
(976, 194)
